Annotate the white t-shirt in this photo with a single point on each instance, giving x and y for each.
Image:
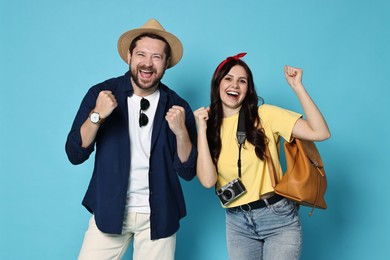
(140, 140)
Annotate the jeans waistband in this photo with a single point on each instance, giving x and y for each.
(259, 203)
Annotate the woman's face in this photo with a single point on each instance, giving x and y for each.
(232, 90)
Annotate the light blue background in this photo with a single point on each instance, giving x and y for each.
(53, 51)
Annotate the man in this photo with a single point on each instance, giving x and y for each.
(145, 136)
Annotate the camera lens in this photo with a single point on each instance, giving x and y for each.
(228, 194)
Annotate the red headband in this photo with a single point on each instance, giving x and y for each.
(235, 57)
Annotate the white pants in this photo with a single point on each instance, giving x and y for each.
(98, 245)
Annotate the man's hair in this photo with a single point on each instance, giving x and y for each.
(167, 48)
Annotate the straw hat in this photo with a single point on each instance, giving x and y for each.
(151, 26)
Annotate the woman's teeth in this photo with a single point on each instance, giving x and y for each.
(232, 93)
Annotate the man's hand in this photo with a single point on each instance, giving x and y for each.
(105, 103)
(176, 118)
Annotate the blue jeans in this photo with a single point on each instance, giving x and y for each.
(272, 232)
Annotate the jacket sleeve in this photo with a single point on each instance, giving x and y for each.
(187, 169)
(75, 152)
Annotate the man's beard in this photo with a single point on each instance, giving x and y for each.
(139, 83)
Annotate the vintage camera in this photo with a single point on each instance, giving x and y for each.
(231, 191)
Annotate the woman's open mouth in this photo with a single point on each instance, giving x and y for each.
(232, 94)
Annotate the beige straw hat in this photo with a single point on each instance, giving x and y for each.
(151, 26)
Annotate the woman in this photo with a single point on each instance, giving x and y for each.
(259, 224)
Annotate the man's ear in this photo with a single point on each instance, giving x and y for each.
(167, 64)
(128, 57)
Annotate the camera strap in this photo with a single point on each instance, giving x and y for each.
(241, 136)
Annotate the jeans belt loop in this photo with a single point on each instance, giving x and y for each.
(244, 207)
(266, 203)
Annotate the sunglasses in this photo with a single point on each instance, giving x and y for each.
(143, 118)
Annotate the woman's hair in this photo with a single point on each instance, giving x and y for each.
(254, 134)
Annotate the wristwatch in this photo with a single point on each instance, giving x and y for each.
(95, 118)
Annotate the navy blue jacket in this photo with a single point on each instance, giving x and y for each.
(107, 190)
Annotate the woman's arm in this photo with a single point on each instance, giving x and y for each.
(314, 128)
(205, 168)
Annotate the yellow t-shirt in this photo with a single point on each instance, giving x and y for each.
(254, 172)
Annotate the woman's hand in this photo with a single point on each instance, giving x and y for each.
(201, 116)
(314, 127)
(293, 76)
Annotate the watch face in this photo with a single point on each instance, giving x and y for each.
(95, 118)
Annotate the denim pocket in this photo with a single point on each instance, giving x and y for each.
(283, 207)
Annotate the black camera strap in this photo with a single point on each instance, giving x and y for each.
(241, 136)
